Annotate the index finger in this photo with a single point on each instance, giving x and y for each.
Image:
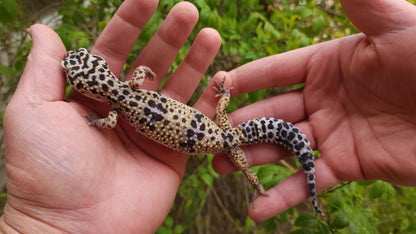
(277, 70)
(118, 38)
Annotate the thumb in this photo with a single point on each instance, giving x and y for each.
(374, 17)
(42, 79)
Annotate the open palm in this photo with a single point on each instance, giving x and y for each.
(358, 100)
(64, 175)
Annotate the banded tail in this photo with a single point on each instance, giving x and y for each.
(278, 131)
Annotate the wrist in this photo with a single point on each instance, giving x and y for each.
(13, 221)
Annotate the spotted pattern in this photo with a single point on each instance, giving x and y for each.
(284, 133)
(177, 125)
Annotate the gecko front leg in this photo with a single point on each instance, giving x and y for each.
(140, 75)
(224, 94)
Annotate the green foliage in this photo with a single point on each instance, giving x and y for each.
(13, 42)
(82, 21)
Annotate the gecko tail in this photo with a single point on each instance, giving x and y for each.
(280, 132)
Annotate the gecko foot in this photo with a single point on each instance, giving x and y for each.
(221, 89)
(109, 122)
(258, 191)
(139, 75)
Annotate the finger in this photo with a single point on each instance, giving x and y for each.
(182, 83)
(374, 17)
(42, 79)
(258, 154)
(278, 70)
(116, 41)
(291, 192)
(288, 106)
(162, 49)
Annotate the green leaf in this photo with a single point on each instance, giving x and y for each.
(340, 221)
(318, 23)
(306, 220)
(377, 190)
(8, 10)
(207, 178)
(323, 228)
(300, 231)
(7, 71)
(271, 225)
(179, 229)
(169, 221)
(83, 43)
(164, 230)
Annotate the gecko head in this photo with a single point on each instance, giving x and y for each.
(89, 74)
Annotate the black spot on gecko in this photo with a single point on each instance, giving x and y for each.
(157, 117)
(121, 98)
(283, 133)
(202, 127)
(160, 107)
(191, 143)
(200, 136)
(285, 125)
(151, 103)
(311, 186)
(291, 136)
(105, 87)
(80, 85)
(147, 111)
(133, 104)
(193, 123)
(110, 82)
(199, 117)
(299, 146)
(92, 83)
(190, 133)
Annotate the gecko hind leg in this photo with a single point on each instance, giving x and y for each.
(109, 122)
(238, 158)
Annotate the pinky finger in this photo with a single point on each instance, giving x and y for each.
(291, 192)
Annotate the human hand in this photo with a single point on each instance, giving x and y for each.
(358, 103)
(63, 175)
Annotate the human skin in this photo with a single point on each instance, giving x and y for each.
(358, 105)
(66, 176)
